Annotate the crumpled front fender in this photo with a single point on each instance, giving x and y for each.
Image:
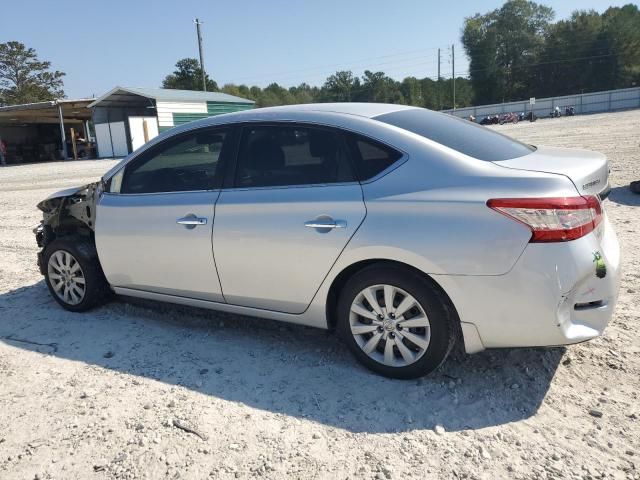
(69, 211)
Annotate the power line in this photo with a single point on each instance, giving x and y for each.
(402, 64)
(453, 74)
(557, 61)
(350, 64)
(399, 62)
(571, 44)
(518, 67)
(386, 66)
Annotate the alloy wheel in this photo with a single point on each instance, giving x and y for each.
(66, 277)
(389, 325)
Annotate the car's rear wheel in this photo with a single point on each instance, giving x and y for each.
(73, 274)
(395, 321)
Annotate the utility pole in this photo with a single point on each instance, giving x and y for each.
(438, 83)
(453, 73)
(204, 75)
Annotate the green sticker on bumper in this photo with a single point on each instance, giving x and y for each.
(601, 268)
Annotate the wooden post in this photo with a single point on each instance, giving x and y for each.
(145, 130)
(73, 143)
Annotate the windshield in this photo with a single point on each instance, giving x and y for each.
(461, 135)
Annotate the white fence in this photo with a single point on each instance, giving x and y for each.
(582, 102)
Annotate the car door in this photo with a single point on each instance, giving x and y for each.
(154, 222)
(293, 206)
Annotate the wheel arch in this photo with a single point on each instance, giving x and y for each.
(341, 279)
(83, 250)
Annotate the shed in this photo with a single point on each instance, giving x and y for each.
(125, 118)
(42, 131)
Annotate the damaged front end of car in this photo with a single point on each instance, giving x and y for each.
(69, 212)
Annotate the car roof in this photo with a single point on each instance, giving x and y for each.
(366, 110)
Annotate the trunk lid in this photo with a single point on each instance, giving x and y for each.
(589, 171)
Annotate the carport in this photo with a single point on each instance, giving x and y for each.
(125, 118)
(42, 131)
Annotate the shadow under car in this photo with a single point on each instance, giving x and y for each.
(276, 367)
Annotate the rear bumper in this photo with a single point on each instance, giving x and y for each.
(556, 294)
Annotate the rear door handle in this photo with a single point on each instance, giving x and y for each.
(326, 224)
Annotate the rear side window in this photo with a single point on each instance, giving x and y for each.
(182, 164)
(461, 135)
(371, 157)
(282, 155)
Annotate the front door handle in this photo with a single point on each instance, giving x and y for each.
(326, 224)
(191, 221)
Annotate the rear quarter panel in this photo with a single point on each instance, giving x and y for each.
(431, 213)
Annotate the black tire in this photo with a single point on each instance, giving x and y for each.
(443, 332)
(97, 290)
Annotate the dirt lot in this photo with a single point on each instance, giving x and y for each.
(96, 395)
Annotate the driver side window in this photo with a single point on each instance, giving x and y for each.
(186, 163)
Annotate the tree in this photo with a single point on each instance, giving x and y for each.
(581, 51)
(412, 91)
(26, 79)
(464, 92)
(188, 76)
(245, 92)
(480, 44)
(340, 87)
(275, 94)
(516, 52)
(502, 45)
(231, 89)
(430, 93)
(621, 29)
(439, 94)
(377, 87)
(304, 93)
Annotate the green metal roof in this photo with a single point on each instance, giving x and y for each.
(120, 95)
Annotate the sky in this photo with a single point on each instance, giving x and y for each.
(101, 44)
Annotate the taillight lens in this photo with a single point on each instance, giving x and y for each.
(552, 219)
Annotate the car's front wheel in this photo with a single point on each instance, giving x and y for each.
(395, 321)
(73, 274)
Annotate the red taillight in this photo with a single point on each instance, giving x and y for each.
(552, 219)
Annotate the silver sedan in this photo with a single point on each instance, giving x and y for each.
(401, 228)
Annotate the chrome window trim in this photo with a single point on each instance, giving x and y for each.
(239, 189)
(285, 187)
(160, 193)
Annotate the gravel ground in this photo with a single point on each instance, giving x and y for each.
(108, 394)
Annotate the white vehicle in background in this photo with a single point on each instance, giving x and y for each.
(397, 226)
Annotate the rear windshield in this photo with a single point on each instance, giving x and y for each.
(461, 135)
